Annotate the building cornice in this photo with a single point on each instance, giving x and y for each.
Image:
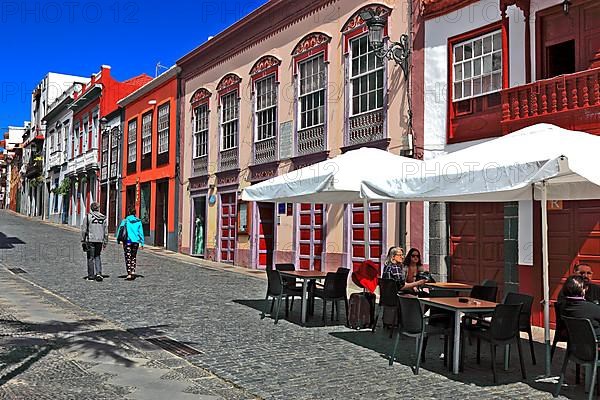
(150, 86)
(256, 27)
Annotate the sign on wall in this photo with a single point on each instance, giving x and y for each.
(286, 139)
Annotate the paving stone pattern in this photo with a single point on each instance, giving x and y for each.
(216, 311)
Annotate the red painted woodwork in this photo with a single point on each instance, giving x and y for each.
(311, 234)
(228, 231)
(573, 237)
(266, 235)
(477, 243)
(481, 118)
(359, 252)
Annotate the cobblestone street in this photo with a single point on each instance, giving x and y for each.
(215, 310)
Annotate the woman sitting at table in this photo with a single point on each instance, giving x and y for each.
(394, 269)
(574, 305)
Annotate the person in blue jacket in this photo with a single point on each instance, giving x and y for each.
(135, 239)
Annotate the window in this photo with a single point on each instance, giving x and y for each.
(114, 159)
(51, 135)
(312, 92)
(366, 77)
(147, 134)
(94, 132)
(132, 141)
(229, 120)
(75, 128)
(85, 142)
(58, 139)
(163, 128)
(66, 135)
(477, 66)
(266, 108)
(104, 164)
(201, 131)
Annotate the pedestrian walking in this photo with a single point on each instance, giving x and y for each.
(94, 237)
(131, 234)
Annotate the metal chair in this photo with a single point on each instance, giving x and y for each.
(582, 348)
(503, 330)
(290, 284)
(413, 324)
(487, 293)
(525, 316)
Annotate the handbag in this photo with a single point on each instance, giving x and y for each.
(85, 246)
(425, 275)
(122, 236)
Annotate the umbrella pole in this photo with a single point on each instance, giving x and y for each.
(546, 287)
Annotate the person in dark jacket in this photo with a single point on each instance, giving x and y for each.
(135, 239)
(574, 305)
(94, 237)
(592, 291)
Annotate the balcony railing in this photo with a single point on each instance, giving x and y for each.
(265, 151)
(311, 140)
(228, 159)
(551, 100)
(365, 128)
(200, 166)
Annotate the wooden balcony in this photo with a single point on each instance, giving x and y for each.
(569, 101)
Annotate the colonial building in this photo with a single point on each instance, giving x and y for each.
(95, 100)
(111, 126)
(34, 192)
(491, 67)
(12, 141)
(289, 85)
(59, 120)
(149, 164)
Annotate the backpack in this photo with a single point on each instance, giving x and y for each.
(361, 310)
(122, 236)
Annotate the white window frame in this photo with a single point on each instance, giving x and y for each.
(316, 90)
(265, 100)
(114, 148)
(201, 131)
(84, 132)
(230, 114)
(147, 133)
(480, 65)
(164, 113)
(132, 141)
(361, 78)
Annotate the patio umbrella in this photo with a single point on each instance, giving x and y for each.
(541, 162)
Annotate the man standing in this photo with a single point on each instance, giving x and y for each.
(94, 237)
(592, 291)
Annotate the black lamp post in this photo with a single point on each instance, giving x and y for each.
(397, 51)
(565, 6)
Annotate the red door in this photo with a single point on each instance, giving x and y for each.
(228, 226)
(477, 243)
(266, 230)
(359, 252)
(573, 238)
(310, 236)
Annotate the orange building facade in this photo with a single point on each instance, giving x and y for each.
(149, 158)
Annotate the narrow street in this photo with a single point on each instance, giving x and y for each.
(216, 312)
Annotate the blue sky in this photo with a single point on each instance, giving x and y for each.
(78, 36)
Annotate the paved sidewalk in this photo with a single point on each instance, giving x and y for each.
(53, 349)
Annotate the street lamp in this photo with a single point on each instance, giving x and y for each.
(397, 51)
(565, 6)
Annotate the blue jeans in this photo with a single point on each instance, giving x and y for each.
(94, 263)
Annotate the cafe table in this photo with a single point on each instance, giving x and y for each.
(459, 287)
(458, 307)
(305, 277)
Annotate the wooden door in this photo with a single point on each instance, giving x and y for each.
(359, 252)
(477, 243)
(311, 234)
(266, 234)
(573, 238)
(228, 227)
(112, 215)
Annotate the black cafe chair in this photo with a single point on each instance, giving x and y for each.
(334, 290)
(414, 324)
(582, 348)
(502, 330)
(388, 308)
(290, 284)
(276, 290)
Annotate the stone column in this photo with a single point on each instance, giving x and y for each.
(439, 264)
(511, 247)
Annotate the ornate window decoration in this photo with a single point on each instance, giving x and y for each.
(229, 114)
(366, 77)
(265, 84)
(310, 68)
(200, 103)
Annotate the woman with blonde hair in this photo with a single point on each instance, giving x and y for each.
(396, 270)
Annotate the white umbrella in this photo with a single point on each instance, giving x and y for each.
(556, 163)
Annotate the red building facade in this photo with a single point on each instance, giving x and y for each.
(149, 148)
